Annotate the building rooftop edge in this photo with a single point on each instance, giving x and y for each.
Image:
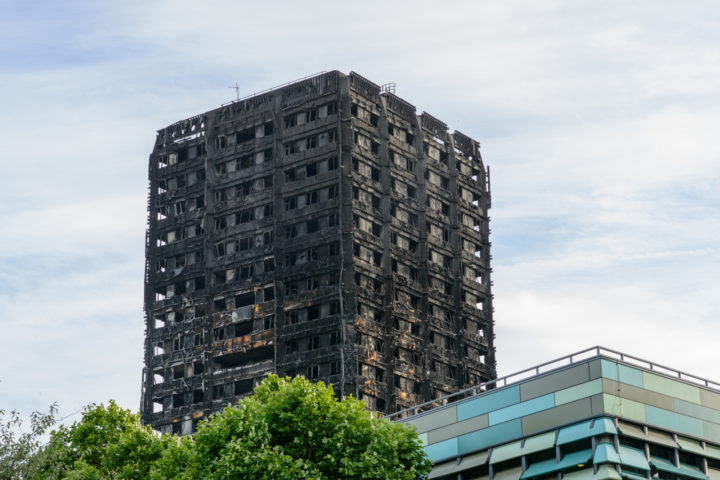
(432, 120)
(555, 365)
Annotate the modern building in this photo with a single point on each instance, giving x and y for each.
(594, 415)
(321, 228)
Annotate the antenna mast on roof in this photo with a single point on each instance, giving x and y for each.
(237, 91)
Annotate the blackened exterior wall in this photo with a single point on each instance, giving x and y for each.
(320, 229)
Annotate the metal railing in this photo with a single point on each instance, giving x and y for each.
(565, 361)
(274, 88)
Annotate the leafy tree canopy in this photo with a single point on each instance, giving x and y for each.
(289, 429)
(20, 442)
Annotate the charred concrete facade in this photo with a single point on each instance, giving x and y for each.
(323, 229)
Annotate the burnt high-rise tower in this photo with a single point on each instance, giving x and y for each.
(324, 229)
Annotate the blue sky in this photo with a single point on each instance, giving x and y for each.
(599, 121)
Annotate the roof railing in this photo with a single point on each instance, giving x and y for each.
(564, 361)
(274, 88)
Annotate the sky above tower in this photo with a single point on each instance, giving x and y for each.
(598, 120)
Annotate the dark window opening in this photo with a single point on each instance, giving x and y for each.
(269, 293)
(219, 333)
(377, 258)
(269, 264)
(243, 386)
(245, 136)
(241, 329)
(245, 299)
(218, 392)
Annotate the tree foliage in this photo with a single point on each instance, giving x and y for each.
(20, 443)
(108, 443)
(289, 429)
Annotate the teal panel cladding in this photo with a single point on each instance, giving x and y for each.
(622, 373)
(581, 430)
(491, 401)
(605, 453)
(673, 421)
(521, 409)
(493, 435)
(634, 458)
(442, 450)
(558, 408)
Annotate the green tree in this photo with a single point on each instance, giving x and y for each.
(295, 429)
(108, 443)
(289, 429)
(20, 443)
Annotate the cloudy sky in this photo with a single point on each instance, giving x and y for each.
(599, 120)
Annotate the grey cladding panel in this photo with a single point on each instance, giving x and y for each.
(710, 399)
(596, 401)
(553, 417)
(554, 382)
(636, 394)
(436, 419)
(595, 369)
(457, 429)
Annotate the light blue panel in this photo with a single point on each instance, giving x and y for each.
(521, 409)
(603, 425)
(697, 411)
(673, 421)
(605, 453)
(634, 458)
(684, 471)
(486, 437)
(491, 401)
(574, 432)
(442, 450)
(629, 375)
(609, 370)
(548, 466)
(582, 430)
